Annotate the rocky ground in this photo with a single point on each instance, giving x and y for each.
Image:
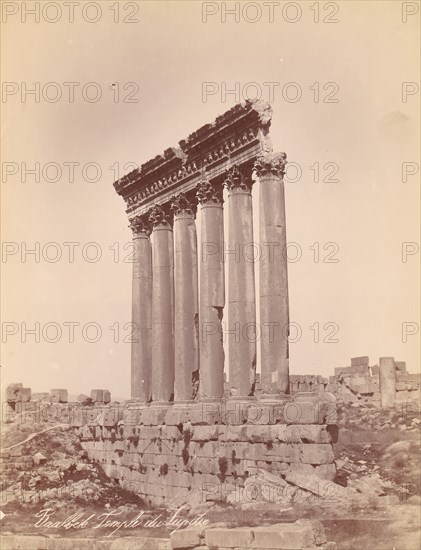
(377, 459)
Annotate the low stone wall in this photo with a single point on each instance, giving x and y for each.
(207, 451)
(304, 534)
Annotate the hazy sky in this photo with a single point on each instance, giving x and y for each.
(170, 55)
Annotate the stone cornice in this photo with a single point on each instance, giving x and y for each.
(237, 136)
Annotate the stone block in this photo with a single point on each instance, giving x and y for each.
(138, 543)
(315, 408)
(307, 433)
(12, 391)
(316, 453)
(240, 537)
(256, 433)
(108, 417)
(16, 393)
(322, 471)
(155, 415)
(132, 415)
(188, 537)
(97, 396)
(41, 396)
(177, 414)
(360, 361)
(206, 433)
(58, 396)
(24, 542)
(400, 366)
(304, 533)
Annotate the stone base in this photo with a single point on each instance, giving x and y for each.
(207, 451)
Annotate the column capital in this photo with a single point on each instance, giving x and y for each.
(236, 181)
(270, 163)
(209, 194)
(160, 217)
(139, 225)
(184, 206)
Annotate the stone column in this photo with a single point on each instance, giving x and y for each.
(162, 306)
(141, 351)
(274, 308)
(212, 292)
(241, 331)
(186, 338)
(387, 377)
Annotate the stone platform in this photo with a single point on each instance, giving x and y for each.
(203, 451)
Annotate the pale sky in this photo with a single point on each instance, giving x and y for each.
(171, 54)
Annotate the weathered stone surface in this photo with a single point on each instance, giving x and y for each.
(387, 381)
(212, 292)
(141, 345)
(316, 453)
(162, 307)
(188, 537)
(274, 307)
(310, 433)
(41, 396)
(241, 326)
(360, 361)
(58, 396)
(16, 393)
(186, 322)
(290, 536)
(240, 537)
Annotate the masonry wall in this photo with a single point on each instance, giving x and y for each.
(207, 451)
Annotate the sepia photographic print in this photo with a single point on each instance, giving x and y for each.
(210, 259)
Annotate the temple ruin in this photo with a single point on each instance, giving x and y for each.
(189, 433)
(179, 285)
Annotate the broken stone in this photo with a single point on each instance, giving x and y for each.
(39, 459)
(58, 396)
(16, 393)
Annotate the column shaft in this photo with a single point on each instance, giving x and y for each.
(274, 306)
(186, 336)
(241, 289)
(162, 308)
(212, 293)
(141, 347)
(387, 379)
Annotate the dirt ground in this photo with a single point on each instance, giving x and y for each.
(378, 455)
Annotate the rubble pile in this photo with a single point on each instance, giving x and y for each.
(53, 467)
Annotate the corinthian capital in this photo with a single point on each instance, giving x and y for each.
(270, 163)
(235, 180)
(160, 217)
(183, 206)
(140, 224)
(208, 194)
